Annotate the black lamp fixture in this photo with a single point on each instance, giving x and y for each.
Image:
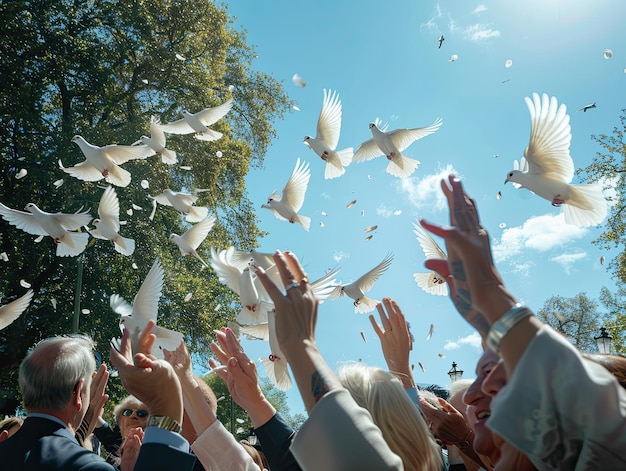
(454, 373)
(604, 341)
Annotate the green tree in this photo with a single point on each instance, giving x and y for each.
(101, 70)
(577, 318)
(615, 322)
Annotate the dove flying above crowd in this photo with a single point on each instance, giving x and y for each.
(10, 312)
(199, 122)
(325, 141)
(183, 202)
(108, 224)
(550, 168)
(156, 142)
(145, 307)
(430, 282)
(193, 237)
(287, 205)
(357, 289)
(104, 162)
(391, 144)
(59, 226)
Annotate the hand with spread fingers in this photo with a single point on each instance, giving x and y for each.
(240, 375)
(96, 403)
(129, 451)
(447, 423)
(152, 381)
(395, 340)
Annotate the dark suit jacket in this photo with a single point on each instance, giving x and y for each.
(43, 444)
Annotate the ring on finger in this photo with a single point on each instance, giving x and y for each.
(295, 284)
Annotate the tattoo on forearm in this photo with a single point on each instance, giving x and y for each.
(318, 386)
(463, 302)
(479, 322)
(458, 272)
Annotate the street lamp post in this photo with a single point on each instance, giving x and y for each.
(604, 341)
(454, 373)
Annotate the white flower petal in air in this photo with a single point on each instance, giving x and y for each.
(24, 284)
(4, 257)
(240, 430)
(369, 237)
(453, 58)
(21, 174)
(502, 225)
(508, 63)
(85, 311)
(602, 260)
(188, 297)
(324, 213)
(240, 421)
(145, 81)
(321, 224)
(144, 184)
(296, 107)
(179, 57)
(231, 88)
(397, 212)
(129, 211)
(370, 229)
(134, 265)
(362, 213)
(39, 239)
(218, 307)
(185, 167)
(53, 301)
(441, 355)
(298, 81)
(58, 183)
(218, 153)
(351, 203)
(137, 208)
(608, 54)
(499, 195)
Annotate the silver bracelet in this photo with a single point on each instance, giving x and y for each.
(503, 325)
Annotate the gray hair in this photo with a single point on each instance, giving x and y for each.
(128, 400)
(460, 385)
(51, 371)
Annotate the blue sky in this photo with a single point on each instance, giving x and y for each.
(383, 60)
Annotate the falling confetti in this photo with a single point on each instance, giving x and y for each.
(135, 267)
(298, 81)
(54, 303)
(21, 174)
(499, 196)
(218, 307)
(369, 177)
(324, 213)
(421, 366)
(453, 58)
(607, 54)
(144, 184)
(240, 421)
(24, 284)
(58, 183)
(38, 239)
(495, 156)
(296, 107)
(502, 225)
(231, 88)
(351, 203)
(218, 153)
(240, 430)
(321, 224)
(369, 237)
(441, 355)
(431, 330)
(129, 211)
(188, 297)
(137, 208)
(370, 229)
(185, 167)
(179, 57)
(85, 311)
(4, 257)
(508, 63)
(397, 212)
(602, 260)
(363, 336)
(362, 213)
(145, 81)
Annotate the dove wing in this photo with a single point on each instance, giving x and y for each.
(324, 287)
(122, 154)
(156, 131)
(226, 272)
(71, 222)
(22, 220)
(550, 136)
(212, 115)
(196, 234)
(366, 282)
(109, 208)
(329, 121)
(403, 138)
(336, 292)
(146, 302)
(184, 199)
(429, 246)
(165, 339)
(162, 199)
(293, 193)
(256, 331)
(119, 305)
(84, 170)
(367, 151)
(180, 126)
(13, 310)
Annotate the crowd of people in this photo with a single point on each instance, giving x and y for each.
(536, 402)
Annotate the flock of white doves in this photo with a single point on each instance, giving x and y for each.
(546, 169)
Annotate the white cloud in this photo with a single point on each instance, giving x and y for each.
(568, 259)
(480, 32)
(325, 195)
(338, 256)
(384, 211)
(427, 190)
(472, 340)
(479, 9)
(540, 233)
(431, 24)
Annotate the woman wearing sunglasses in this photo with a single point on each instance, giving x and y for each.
(131, 417)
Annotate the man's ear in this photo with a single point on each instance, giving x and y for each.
(77, 396)
(4, 435)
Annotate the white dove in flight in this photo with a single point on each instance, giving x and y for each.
(275, 364)
(430, 282)
(391, 144)
(59, 226)
(550, 166)
(357, 289)
(183, 202)
(108, 224)
(104, 162)
(10, 312)
(193, 237)
(325, 142)
(287, 205)
(199, 122)
(145, 307)
(156, 142)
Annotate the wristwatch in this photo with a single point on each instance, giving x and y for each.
(164, 422)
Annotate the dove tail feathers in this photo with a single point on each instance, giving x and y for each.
(585, 206)
(124, 245)
(402, 166)
(208, 135)
(345, 156)
(168, 157)
(431, 283)
(333, 171)
(304, 221)
(277, 371)
(72, 244)
(197, 213)
(118, 176)
(365, 305)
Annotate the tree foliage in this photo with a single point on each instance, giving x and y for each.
(616, 320)
(577, 318)
(101, 69)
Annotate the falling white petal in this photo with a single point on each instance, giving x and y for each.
(453, 58)
(39, 239)
(54, 303)
(144, 184)
(502, 225)
(218, 153)
(441, 355)
(370, 229)
(85, 311)
(188, 297)
(134, 265)
(24, 284)
(129, 211)
(231, 88)
(145, 81)
(295, 107)
(298, 81)
(185, 167)
(351, 203)
(321, 224)
(137, 208)
(58, 183)
(240, 421)
(4, 257)
(508, 63)
(179, 57)
(21, 174)
(397, 212)
(608, 54)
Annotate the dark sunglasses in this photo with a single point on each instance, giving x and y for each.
(139, 412)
